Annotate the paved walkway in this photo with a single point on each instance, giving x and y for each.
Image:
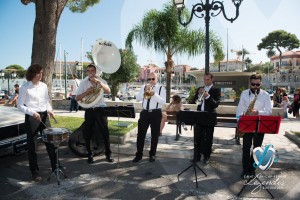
(158, 180)
(224, 146)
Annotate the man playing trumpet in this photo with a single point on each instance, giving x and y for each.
(153, 97)
(95, 114)
(208, 99)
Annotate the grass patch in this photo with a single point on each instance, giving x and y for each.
(72, 123)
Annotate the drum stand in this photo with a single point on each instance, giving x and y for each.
(57, 172)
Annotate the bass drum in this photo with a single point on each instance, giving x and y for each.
(77, 144)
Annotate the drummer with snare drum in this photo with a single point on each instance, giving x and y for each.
(34, 102)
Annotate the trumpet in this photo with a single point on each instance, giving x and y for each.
(147, 93)
(200, 97)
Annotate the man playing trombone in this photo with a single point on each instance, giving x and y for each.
(208, 99)
(94, 114)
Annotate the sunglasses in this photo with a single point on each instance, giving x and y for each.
(151, 79)
(255, 84)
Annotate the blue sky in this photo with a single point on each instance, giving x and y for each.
(113, 19)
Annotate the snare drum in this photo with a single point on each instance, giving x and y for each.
(55, 135)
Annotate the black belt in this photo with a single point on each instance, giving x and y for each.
(152, 110)
(95, 108)
(44, 112)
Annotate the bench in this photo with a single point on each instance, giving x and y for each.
(223, 120)
(228, 121)
(172, 118)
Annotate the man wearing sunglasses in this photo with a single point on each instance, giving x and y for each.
(150, 115)
(262, 106)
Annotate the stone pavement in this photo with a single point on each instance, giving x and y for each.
(159, 180)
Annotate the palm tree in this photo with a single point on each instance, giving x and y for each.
(161, 30)
(242, 53)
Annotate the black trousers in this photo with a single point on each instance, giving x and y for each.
(147, 119)
(203, 139)
(32, 127)
(93, 116)
(74, 104)
(248, 139)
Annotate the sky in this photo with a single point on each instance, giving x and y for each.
(113, 19)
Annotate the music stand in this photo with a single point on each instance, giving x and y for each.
(119, 111)
(258, 125)
(202, 119)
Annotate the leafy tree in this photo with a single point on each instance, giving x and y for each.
(242, 53)
(218, 58)
(45, 29)
(270, 53)
(191, 94)
(279, 39)
(19, 70)
(128, 71)
(161, 30)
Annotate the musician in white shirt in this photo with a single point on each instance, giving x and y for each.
(94, 114)
(150, 116)
(34, 102)
(262, 106)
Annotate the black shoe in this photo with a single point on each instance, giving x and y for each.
(196, 159)
(90, 159)
(206, 161)
(136, 159)
(152, 159)
(109, 159)
(36, 177)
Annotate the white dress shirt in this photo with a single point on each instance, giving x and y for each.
(34, 98)
(75, 86)
(156, 98)
(85, 84)
(262, 104)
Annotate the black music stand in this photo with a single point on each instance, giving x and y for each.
(198, 118)
(120, 111)
(256, 125)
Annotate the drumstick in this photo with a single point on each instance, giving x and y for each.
(43, 123)
(54, 119)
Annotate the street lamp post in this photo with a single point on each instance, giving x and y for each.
(65, 61)
(206, 10)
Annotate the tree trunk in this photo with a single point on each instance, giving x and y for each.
(47, 17)
(168, 72)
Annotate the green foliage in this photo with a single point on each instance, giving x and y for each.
(279, 38)
(80, 6)
(72, 123)
(192, 94)
(161, 30)
(19, 70)
(128, 71)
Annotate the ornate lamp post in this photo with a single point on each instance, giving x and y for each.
(205, 10)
